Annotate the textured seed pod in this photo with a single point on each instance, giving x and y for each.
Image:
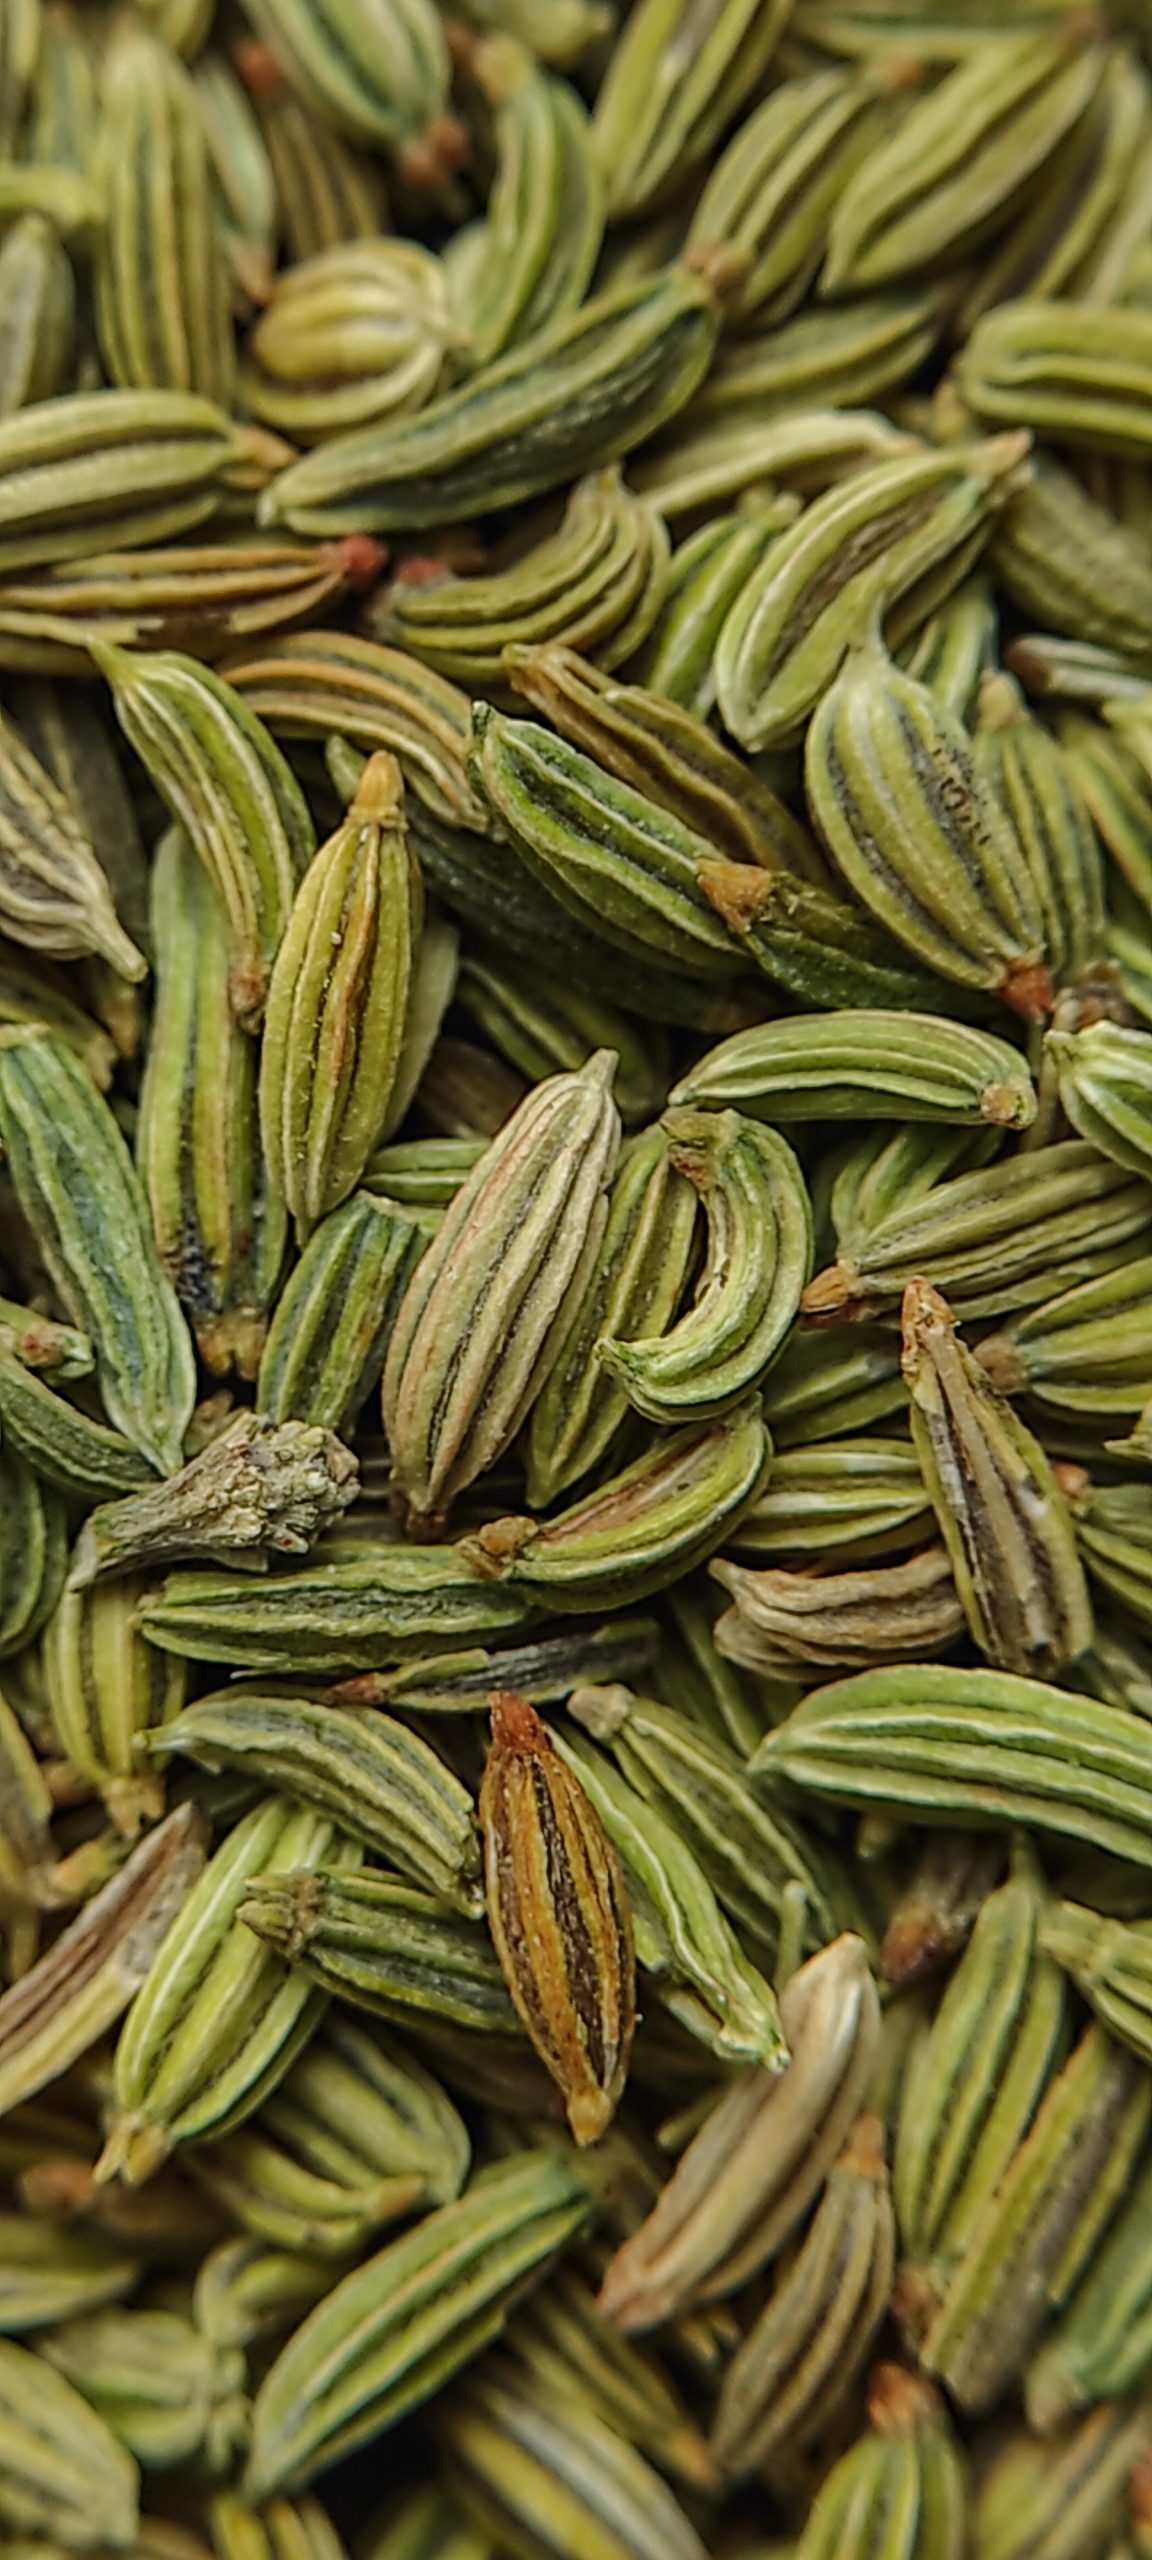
(927, 849)
(375, 1603)
(74, 744)
(953, 167)
(1065, 561)
(824, 359)
(76, 1186)
(1074, 2161)
(609, 853)
(54, 896)
(973, 1746)
(996, 1239)
(84, 1982)
(1110, 1962)
(822, 949)
(379, 1780)
(775, 187)
(638, 1531)
(531, 259)
(219, 2018)
(559, 1915)
(162, 298)
(63, 2473)
(205, 598)
(594, 584)
(220, 1229)
(395, 2328)
(1077, 372)
(60, 1442)
(904, 1168)
(101, 468)
(789, 1625)
(337, 1002)
(852, 1499)
(37, 314)
(683, 1942)
(805, 2348)
(1104, 1075)
(973, 2086)
(673, 85)
(1071, 236)
(1023, 766)
(838, 1065)
(376, 69)
(166, 2390)
(108, 1691)
(357, 2135)
(640, 1273)
(705, 575)
(901, 2489)
(390, 1948)
(580, 393)
(528, 2463)
(228, 786)
(330, 1326)
(667, 754)
(759, 1248)
(421, 1174)
(762, 2154)
(567, 2351)
(544, 1670)
(718, 460)
(468, 1356)
(360, 331)
(258, 1487)
(1009, 1536)
(326, 189)
(753, 1856)
(870, 537)
(334, 684)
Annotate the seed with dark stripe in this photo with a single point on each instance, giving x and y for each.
(559, 1916)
